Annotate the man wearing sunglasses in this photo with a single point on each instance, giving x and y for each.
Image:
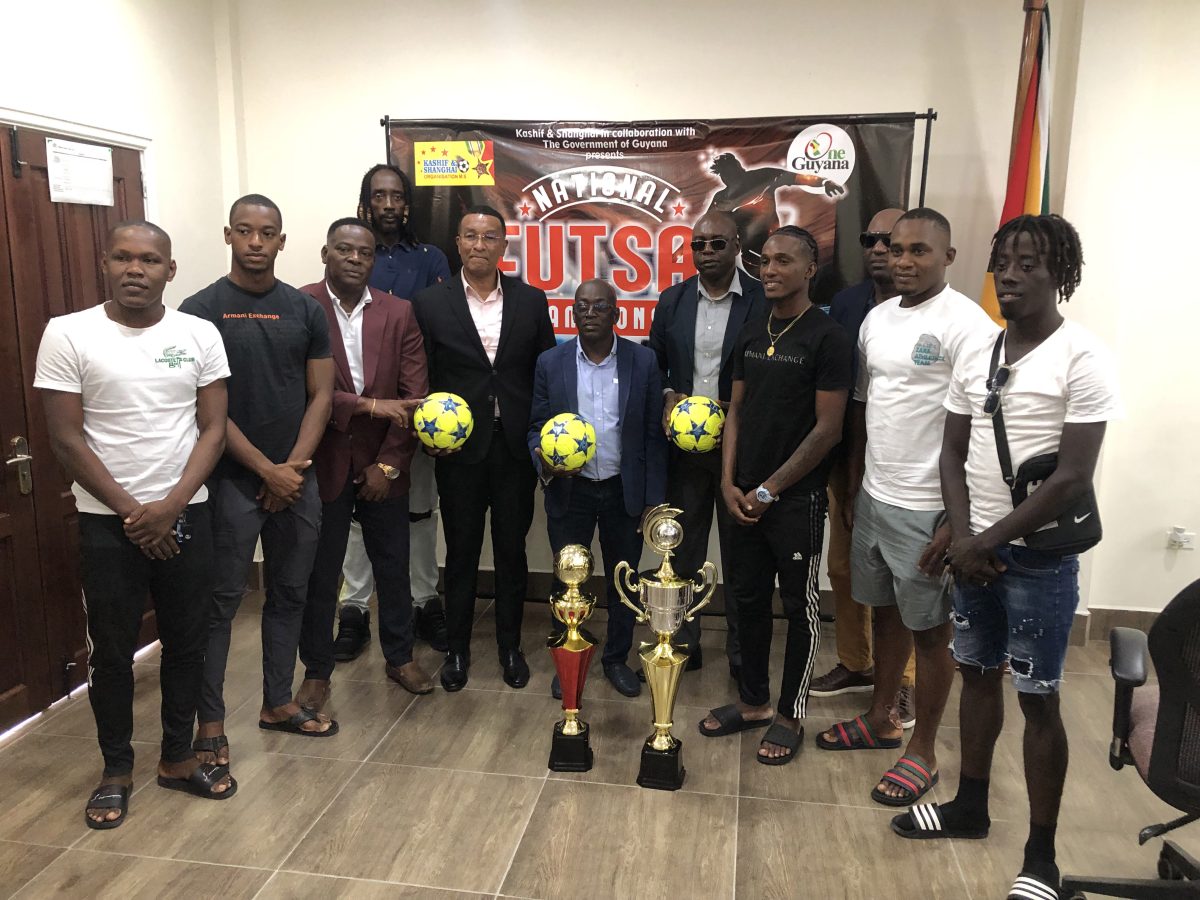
(483, 333)
(614, 384)
(695, 326)
(907, 347)
(1056, 384)
(854, 672)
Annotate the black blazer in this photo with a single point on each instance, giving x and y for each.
(673, 332)
(457, 361)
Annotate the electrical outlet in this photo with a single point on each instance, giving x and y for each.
(1179, 539)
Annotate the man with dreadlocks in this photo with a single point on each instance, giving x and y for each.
(403, 267)
(1012, 602)
(791, 375)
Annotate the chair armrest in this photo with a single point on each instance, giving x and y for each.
(1128, 656)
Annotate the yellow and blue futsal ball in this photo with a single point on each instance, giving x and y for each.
(568, 441)
(696, 424)
(443, 421)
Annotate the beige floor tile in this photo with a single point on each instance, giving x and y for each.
(109, 876)
(277, 799)
(46, 779)
(605, 841)
(620, 729)
(434, 827)
(364, 713)
(19, 863)
(787, 850)
(477, 731)
(297, 886)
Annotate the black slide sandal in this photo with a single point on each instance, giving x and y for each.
(730, 721)
(106, 797)
(295, 725)
(202, 782)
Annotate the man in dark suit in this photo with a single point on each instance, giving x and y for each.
(695, 325)
(363, 459)
(614, 384)
(483, 333)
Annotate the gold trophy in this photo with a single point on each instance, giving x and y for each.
(572, 652)
(666, 601)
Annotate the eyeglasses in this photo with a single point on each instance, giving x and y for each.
(583, 310)
(995, 384)
(718, 244)
(869, 239)
(488, 238)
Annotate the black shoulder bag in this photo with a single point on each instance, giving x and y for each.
(1077, 528)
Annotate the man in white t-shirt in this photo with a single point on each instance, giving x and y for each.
(1012, 602)
(135, 403)
(907, 348)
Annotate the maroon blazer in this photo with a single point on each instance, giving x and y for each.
(393, 367)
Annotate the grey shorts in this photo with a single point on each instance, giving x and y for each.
(885, 545)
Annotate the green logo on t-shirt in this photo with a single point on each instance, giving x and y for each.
(174, 357)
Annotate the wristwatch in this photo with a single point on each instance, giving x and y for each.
(391, 473)
(763, 495)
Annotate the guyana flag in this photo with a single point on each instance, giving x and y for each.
(1028, 190)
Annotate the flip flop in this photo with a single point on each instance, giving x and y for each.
(1031, 887)
(202, 782)
(731, 721)
(910, 774)
(784, 737)
(295, 724)
(856, 734)
(108, 796)
(924, 822)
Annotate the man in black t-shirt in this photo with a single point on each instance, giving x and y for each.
(280, 398)
(791, 376)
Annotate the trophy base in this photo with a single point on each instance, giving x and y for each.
(570, 752)
(662, 770)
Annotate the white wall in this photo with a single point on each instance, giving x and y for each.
(139, 68)
(1132, 190)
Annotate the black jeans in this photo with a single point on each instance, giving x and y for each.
(786, 542)
(694, 486)
(503, 484)
(117, 576)
(385, 536)
(289, 539)
(602, 503)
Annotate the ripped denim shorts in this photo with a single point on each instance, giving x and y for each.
(1024, 616)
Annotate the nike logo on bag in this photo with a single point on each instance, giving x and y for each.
(1079, 519)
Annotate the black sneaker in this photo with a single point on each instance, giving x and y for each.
(354, 633)
(429, 624)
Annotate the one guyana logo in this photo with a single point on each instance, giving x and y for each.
(824, 150)
(174, 357)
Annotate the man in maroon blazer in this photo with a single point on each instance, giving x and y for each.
(363, 459)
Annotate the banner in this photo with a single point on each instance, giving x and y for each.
(617, 200)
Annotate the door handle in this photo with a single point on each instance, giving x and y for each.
(20, 458)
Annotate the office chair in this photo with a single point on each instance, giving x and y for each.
(1157, 730)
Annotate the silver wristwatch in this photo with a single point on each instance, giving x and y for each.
(763, 495)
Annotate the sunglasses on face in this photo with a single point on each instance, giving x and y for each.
(718, 244)
(995, 385)
(586, 310)
(869, 239)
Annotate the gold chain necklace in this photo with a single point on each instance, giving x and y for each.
(775, 337)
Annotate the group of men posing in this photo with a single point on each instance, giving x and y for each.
(262, 411)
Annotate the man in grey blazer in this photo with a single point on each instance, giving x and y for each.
(695, 325)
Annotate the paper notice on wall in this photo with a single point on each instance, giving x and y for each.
(79, 173)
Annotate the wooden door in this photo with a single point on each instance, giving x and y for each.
(53, 264)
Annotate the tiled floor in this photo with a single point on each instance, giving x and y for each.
(448, 796)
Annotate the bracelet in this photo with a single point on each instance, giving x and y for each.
(373, 402)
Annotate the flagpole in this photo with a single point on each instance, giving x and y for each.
(1029, 48)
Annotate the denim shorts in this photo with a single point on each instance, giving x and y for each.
(1024, 616)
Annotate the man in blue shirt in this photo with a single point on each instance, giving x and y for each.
(614, 383)
(403, 267)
